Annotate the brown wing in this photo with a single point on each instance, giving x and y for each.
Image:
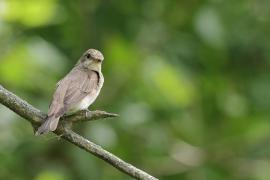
(71, 90)
(80, 88)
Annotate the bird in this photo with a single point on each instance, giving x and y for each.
(76, 91)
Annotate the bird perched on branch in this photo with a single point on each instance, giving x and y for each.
(76, 91)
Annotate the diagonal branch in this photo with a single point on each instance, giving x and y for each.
(35, 117)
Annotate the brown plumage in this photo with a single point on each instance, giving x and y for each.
(76, 91)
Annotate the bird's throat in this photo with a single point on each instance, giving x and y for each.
(95, 67)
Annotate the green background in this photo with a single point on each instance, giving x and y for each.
(189, 78)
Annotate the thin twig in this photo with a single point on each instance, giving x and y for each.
(86, 115)
(35, 117)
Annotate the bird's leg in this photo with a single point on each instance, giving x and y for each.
(78, 113)
(85, 111)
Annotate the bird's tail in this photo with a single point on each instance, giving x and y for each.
(49, 125)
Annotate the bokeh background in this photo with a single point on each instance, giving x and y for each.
(190, 80)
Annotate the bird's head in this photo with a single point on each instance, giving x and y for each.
(92, 59)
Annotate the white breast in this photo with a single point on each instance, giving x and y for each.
(88, 100)
(84, 103)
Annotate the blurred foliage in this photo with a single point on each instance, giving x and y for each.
(189, 78)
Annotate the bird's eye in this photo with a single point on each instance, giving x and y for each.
(88, 56)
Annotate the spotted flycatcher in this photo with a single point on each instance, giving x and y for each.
(76, 91)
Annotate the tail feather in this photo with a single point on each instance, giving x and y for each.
(49, 125)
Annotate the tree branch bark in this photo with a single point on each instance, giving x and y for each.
(35, 117)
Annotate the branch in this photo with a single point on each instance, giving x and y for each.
(35, 117)
(86, 115)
